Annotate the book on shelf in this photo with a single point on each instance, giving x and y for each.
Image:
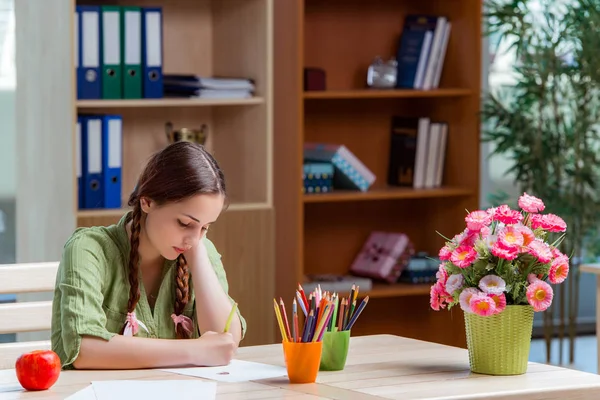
(422, 51)
(193, 86)
(349, 171)
(417, 152)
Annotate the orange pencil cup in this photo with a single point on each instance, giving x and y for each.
(302, 361)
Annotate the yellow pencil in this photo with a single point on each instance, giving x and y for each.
(280, 321)
(231, 314)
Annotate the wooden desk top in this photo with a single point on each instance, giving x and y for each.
(378, 367)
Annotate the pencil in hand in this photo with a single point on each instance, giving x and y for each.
(230, 318)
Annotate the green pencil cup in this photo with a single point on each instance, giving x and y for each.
(335, 350)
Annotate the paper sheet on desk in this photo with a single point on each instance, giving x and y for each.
(147, 390)
(236, 371)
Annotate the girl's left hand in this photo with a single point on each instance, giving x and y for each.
(197, 256)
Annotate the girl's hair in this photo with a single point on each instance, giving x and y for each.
(176, 173)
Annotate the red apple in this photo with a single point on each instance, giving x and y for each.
(38, 370)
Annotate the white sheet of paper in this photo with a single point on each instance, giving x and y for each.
(84, 394)
(236, 371)
(158, 389)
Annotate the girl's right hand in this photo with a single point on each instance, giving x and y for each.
(217, 349)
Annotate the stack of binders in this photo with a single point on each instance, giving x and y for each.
(193, 86)
(118, 52)
(99, 161)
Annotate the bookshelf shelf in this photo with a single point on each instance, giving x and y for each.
(118, 212)
(386, 193)
(384, 94)
(323, 233)
(142, 103)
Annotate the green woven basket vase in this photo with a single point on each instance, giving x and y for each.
(499, 344)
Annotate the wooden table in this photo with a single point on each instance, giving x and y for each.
(378, 367)
(595, 269)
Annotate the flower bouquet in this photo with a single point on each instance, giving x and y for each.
(497, 271)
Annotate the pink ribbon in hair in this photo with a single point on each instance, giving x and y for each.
(186, 323)
(132, 325)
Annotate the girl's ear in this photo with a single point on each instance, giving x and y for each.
(146, 204)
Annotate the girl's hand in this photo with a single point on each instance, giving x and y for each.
(217, 349)
(197, 255)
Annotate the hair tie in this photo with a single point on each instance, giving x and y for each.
(186, 323)
(132, 325)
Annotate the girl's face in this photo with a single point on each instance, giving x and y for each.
(176, 227)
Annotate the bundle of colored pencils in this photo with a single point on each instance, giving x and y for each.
(322, 312)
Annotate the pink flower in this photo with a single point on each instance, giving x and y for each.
(454, 282)
(485, 232)
(463, 256)
(553, 223)
(465, 238)
(507, 216)
(510, 238)
(482, 304)
(499, 300)
(532, 278)
(492, 284)
(445, 253)
(556, 253)
(528, 235)
(465, 298)
(536, 221)
(531, 204)
(442, 274)
(438, 297)
(559, 270)
(548, 222)
(502, 252)
(539, 295)
(541, 250)
(477, 220)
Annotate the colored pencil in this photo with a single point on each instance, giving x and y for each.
(360, 308)
(295, 317)
(230, 317)
(285, 319)
(279, 321)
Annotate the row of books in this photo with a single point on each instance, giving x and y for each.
(417, 152)
(416, 159)
(99, 149)
(422, 51)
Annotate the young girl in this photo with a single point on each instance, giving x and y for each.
(124, 292)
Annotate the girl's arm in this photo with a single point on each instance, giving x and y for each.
(213, 304)
(130, 352)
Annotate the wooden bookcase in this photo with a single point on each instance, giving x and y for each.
(230, 38)
(323, 233)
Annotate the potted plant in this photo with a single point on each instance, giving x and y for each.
(498, 270)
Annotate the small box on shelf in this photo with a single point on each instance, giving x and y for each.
(349, 171)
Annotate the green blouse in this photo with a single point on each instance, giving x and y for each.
(92, 291)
